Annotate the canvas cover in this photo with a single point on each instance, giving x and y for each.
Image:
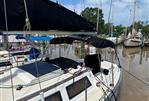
(43, 15)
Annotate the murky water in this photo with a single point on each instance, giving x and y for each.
(136, 61)
(133, 60)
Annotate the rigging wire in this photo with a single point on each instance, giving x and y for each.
(83, 3)
(107, 87)
(105, 93)
(110, 10)
(37, 71)
(6, 23)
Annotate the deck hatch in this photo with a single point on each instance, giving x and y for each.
(43, 68)
(64, 63)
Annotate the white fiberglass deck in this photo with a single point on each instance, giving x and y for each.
(58, 83)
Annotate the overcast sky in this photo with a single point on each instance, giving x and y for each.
(122, 9)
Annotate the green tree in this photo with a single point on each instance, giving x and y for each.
(119, 29)
(91, 15)
(138, 25)
(145, 30)
(107, 27)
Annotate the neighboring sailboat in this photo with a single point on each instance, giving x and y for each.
(116, 40)
(134, 39)
(113, 35)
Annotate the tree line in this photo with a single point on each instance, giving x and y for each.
(104, 28)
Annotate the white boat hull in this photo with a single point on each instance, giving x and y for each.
(115, 40)
(132, 43)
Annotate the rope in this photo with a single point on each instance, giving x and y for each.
(6, 23)
(27, 22)
(27, 26)
(83, 3)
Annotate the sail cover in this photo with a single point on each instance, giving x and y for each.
(90, 39)
(34, 38)
(43, 15)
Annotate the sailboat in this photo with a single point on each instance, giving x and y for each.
(59, 79)
(134, 39)
(113, 35)
(116, 40)
(65, 79)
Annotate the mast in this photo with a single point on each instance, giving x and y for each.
(5, 38)
(112, 19)
(134, 13)
(97, 24)
(98, 9)
(109, 18)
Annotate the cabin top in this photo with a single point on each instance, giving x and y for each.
(4, 52)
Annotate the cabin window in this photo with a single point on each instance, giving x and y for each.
(7, 63)
(54, 97)
(77, 87)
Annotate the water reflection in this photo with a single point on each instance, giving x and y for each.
(136, 61)
(132, 53)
